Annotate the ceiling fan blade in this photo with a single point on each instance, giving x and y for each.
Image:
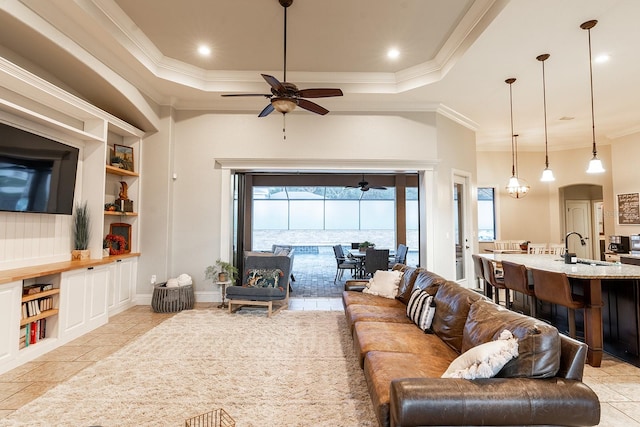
(378, 187)
(312, 106)
(274, 83)
(247, 94)
(318, 93)
(266, 111)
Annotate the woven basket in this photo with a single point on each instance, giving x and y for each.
(170, 300)
(217, 418)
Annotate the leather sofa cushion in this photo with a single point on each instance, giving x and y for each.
(406, 283)
(354, 297)
(427, 281)
(371, 313)
(452, 307)
(381, 367)
(538, 342)
(393, 337)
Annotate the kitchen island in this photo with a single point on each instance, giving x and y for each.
(613, 286)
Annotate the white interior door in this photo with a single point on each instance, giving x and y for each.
(462, 227)
(578, 218)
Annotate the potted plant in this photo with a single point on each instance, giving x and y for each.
(81, 233)
(364, 245)
(221, 271)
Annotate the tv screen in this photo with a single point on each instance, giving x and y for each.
(37, 174)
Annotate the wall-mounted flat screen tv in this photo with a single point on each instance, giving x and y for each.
(37, 174)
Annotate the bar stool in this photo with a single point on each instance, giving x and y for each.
(516, 278)
(555, 288)
(479, 273)
(496, 282)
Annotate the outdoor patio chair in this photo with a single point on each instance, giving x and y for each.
(400, 256)
(376, 259)
(343, 263)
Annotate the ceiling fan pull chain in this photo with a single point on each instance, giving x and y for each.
(284, 125)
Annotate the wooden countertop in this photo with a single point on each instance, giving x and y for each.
(15, 274)
(593, 270)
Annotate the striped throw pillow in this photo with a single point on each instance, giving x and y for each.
(421, 309)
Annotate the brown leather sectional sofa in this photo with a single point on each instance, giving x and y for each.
(403, 365)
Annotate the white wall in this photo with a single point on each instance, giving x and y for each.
(195, 141)
(625, 154)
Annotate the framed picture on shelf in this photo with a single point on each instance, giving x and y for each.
(124, 230)
(122, 157)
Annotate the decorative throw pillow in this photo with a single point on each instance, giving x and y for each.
(280, 251)
(421, 309)
(263, 278)
(384, 284)
(484, 360)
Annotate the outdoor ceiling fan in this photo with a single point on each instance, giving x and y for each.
(364, 186)
(285, 96)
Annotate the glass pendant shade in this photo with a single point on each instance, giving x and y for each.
(517, 187)
(547, 175)
(595, 165)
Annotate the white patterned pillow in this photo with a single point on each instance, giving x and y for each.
(384, 284)
(421, 309)
(484, 360)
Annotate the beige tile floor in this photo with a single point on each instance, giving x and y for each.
(616, 383)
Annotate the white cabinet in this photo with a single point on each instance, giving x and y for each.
(121, 284)
(10, 320)
(83, 306)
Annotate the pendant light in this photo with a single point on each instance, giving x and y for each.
(517, 188)
(595, 165)
(547, 173)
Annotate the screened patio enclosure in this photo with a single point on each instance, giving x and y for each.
(313, 212)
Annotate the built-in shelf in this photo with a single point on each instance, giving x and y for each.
(116, 213)
(122, 172)
(43, 315)
(42, 294)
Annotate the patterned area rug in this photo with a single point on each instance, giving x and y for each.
(295, 369)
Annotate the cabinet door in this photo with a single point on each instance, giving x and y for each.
(97, 284)
(73, 296)
(125, 278)
(121, 284)
(10, 320)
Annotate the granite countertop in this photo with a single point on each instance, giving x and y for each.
(585, 269)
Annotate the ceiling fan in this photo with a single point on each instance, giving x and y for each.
(285, 96)
(364, 186)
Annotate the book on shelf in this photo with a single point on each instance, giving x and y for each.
(36, 288)
(23, 336)
(33, 332)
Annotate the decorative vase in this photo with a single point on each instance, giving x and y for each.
(80, 255)
(223, 277)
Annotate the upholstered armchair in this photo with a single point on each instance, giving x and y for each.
(265, 282)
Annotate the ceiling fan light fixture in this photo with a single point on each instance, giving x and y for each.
(283, 105)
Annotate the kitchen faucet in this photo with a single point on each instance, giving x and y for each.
(568, 258)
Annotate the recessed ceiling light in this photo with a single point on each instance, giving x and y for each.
(393, 53)
(602, 58)
(204, 50)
